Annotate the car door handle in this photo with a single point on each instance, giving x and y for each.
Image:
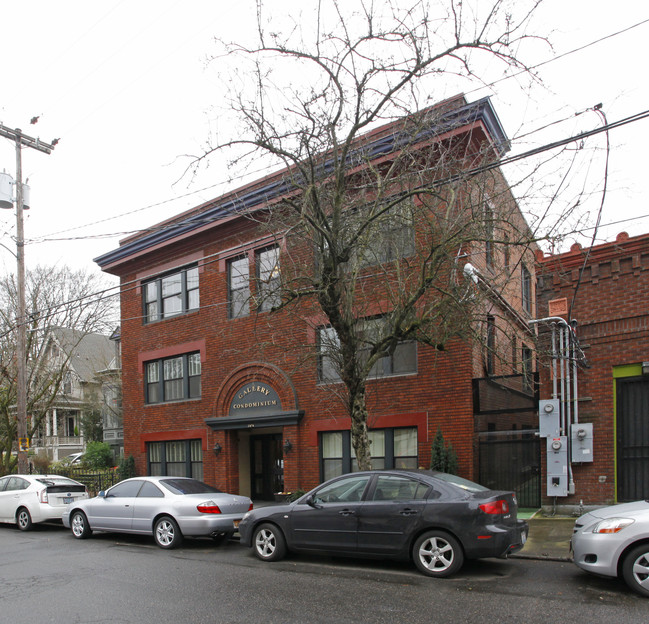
(346, 512)
(408, 512)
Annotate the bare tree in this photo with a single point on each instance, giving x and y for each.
(384, 247)
(57, 297)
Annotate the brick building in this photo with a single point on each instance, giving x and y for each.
(220, 386)
(605, 290)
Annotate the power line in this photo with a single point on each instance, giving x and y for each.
(46, 237)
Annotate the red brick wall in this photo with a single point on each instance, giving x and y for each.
(611, 309)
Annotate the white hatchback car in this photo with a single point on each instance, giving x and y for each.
(25, 499)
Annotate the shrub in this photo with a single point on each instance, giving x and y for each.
(126, 468)
(98, 455)
(443, 457)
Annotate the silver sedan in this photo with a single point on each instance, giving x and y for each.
(614, 541)
(169, 508)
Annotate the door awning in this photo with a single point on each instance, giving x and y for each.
(278, 419)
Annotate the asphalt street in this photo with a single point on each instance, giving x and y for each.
(47, 576)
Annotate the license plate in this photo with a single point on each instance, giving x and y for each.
(67, 500)
(236, 523)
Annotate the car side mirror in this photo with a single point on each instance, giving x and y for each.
(102, 494)
(310, 501)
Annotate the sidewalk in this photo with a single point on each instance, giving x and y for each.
(548, 539)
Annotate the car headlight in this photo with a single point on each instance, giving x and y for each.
(612, 525)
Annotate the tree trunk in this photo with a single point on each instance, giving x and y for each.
(360, 437)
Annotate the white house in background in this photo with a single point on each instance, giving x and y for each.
(82, 356)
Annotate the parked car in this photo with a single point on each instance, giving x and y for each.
(614, 541)
(26, 499)
(168, 508)
(436, 519)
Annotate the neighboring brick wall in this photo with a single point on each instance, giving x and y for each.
(611, 308)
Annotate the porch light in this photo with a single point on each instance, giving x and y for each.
(217, 449)
(287, 445)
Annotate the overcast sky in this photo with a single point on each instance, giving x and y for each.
(125, 87)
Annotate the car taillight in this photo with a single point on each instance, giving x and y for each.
(250, 508)
(209, 507)
(495, 507)
(44, 498)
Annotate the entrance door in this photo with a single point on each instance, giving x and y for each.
(632, 438)
(266, 466)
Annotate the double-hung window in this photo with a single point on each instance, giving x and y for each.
(238, 287)
(403, 359)
(389, 448)
(389, 238)
(526, 289)
(173, 379)
(171, 294)
(268, 279)
(177, 458)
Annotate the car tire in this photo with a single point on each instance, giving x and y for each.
(268, 542)
(79, 525)
(167, 533)
(23, 519)
(635, 569)
(438, 554)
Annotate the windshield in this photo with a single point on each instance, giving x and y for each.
(465, 484)
(188, 486)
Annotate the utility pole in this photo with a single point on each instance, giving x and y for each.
(21, 342)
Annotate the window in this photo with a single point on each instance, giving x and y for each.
(238, 287)
(390, 448)
(268, 279)
(349, 490)
(391, 488)
(526, 367)
(489, 234)
(526, 289)
(392, 237)
(402, 361)
(170, 295)
(176, 458)
(173, 379)
(491, 344)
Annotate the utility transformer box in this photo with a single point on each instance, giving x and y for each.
(581, 442)
(549, 418)
(557, 456)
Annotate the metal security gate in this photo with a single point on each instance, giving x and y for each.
(511, 460)
(632, 439)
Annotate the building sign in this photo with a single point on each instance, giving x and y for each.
(255, 399)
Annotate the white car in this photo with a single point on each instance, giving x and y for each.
(25, 499)
(614, 541)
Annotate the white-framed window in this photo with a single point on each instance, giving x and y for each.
(176, 458)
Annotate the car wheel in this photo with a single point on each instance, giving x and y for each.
(436, 553)
(166, 533)
(79, 525)
(268, 542)
(23, 519)
(635, 569)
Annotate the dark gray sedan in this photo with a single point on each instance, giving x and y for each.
(436, 519)
(168, 508)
